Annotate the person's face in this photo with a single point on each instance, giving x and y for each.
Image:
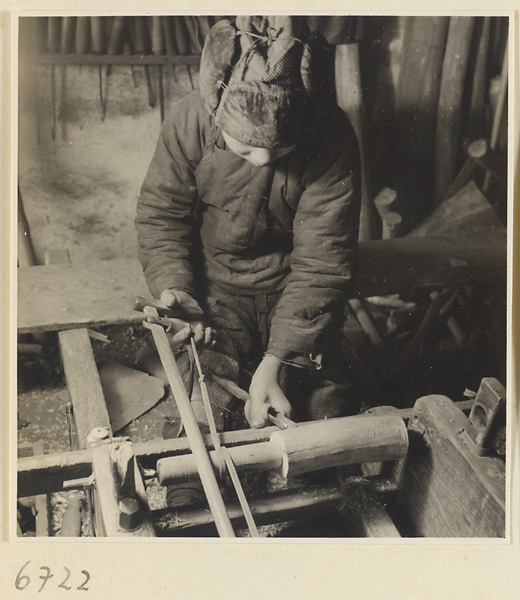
(260, 157)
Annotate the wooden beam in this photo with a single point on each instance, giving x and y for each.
(101, 293)
(116, 59)
(83, 383)
(444, 487)
(42, 474)
(275, 507)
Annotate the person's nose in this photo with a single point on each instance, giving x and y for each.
(260, 156)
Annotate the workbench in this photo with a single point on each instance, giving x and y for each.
(445, 489)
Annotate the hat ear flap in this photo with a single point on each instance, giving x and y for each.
(316, 64)
(220, 52)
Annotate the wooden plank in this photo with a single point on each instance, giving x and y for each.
(445, 489)
(84, 386)
(101, 293)
(71, 296)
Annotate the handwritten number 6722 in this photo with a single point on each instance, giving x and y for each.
(22, 580)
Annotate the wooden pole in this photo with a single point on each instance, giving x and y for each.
(417, 96)
(207, 476)
(349, 94)
(447, 135)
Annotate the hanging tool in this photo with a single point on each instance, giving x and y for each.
(277, 419)
(200, 453)
(53, 45)
(98, 47)
(156, 33)
(114, 46)
(141, 47)
(182, 39)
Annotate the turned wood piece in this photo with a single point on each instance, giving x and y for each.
(343, 441)
(308, 447)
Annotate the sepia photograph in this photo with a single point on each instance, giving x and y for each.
(262, 277)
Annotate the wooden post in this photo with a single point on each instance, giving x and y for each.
(417, 96)
(349, 94)
(447, 136)
(83, 383)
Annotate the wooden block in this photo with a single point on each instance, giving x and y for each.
(487, 414)
(108, 461)
(445, 489)
(83, 383)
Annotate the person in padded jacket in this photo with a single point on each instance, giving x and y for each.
(249, 214)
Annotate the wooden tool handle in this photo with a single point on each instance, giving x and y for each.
(200, 453)
(179, 311)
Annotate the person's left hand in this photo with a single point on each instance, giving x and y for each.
(265, 392)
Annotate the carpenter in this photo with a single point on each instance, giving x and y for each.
(248, 216)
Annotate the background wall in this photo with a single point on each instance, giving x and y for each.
(79, 174)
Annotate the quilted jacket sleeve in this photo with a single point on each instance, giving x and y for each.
(310, 314)
(165, 209)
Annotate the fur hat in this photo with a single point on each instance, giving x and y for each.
(258, 75)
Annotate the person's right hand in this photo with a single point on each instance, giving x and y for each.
(202, 336)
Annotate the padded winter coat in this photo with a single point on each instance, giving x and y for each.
(206, 215)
